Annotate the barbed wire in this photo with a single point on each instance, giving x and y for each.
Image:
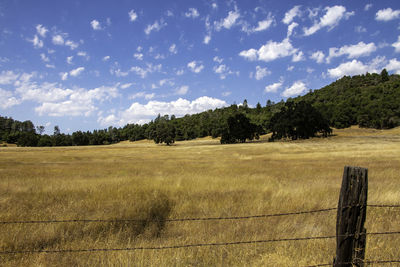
(192, 245)
(190, 219)
(348, 263)
(170, 220)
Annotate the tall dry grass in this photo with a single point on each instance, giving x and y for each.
(193, 179)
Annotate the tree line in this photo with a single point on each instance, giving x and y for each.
(370, 100)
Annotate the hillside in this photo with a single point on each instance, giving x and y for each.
(370, 100)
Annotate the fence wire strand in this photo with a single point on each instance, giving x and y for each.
(189, 219)
(189, 245)
(348, 263)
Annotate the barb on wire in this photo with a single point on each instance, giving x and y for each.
(190, 245)
(169, 220)
(383, 206)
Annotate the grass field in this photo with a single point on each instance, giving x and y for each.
(198, 178)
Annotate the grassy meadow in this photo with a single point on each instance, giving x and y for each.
(198, 178)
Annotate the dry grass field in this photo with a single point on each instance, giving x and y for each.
(198, 178)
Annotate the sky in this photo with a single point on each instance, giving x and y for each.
(85, 65)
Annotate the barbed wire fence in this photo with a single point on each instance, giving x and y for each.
(183, 246)
(197, 245)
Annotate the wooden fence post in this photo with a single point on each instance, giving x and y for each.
(352, 209)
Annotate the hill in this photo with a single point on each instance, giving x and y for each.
(370, 100)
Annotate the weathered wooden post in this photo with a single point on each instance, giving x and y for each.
(352, 210)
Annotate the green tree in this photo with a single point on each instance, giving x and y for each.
(238, 129)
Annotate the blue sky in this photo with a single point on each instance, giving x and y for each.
(86, 65)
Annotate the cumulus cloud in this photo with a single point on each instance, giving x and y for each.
(58, 39)
(192, 13)
(64, 76)
(77, 71)
(352, 51)
(71, 44)
(318, 56)
(44, 57)
(7, 100)
(270, 51)
(394, 65)
(261, 73)
(195, 66)
(182, 90)
(37, 43)
(141, 113)
(132, 15)
(172, 49)
(207, 39)
(229, 21)
(387, 14)
(95, 25)
(138, 56)
(8, 77)
(396, 45)
(222, 70)
(331, 19)
(41, 30)
(106, 58)
(291, 14)
(156, 26)
(298, 57)
(296, 89)
(356, 67)
(367, 7)
(273, 88)
(291, 28)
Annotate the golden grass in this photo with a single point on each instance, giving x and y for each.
(195, 179)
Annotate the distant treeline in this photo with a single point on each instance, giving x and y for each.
(370, 100)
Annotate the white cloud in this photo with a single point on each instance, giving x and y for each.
(396, 45)
(95, 25)
(83, 54)
(207, 39)
(356, 67)
(250, 54)
(298, 57)
(261, 72)
(156, 26)
(58, 39)
(290, 68)
(106, 58)
(227, 93)
(331, 19)
(51, 66)
(8, 77)
(394, 65)
(273, 88)
(78, 102)
(142, 95)
(291, 14)
(223, 71)
(195, 66)
(352, 51)
(173, 49)
(37, 43)
(132, 15)
(218, 59)
(229, 21)
(296, 89)
(71, 44)
(180, 72)
(367, 7)
(192, 13)
(182, 90)
(138, 56)
(360, 29)
(141, 113)
(77, 71)
(263, 25)
(387, 14)
(69, 59)
(44, 57)
(318, 56)
(270, 51)
(291, 28)
(214, 5)
(64, 76)
(41, 30)
(126, 85)
(7, 100)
